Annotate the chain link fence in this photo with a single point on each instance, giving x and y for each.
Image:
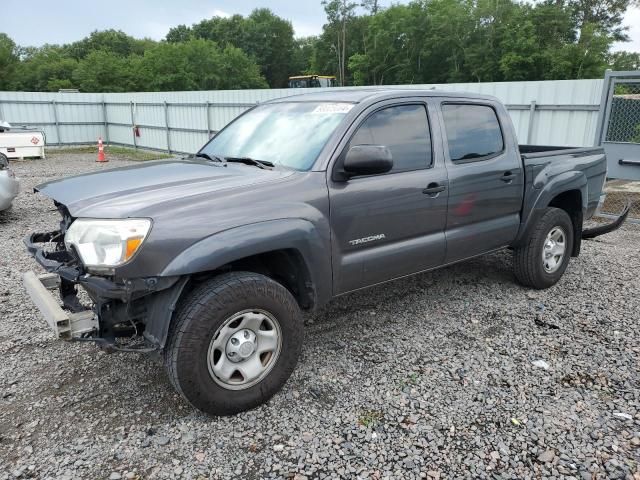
(624, 120)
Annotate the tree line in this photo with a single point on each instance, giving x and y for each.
(423, 41)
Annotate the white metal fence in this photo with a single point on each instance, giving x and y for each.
(562, 112)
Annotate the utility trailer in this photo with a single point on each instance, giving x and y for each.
(21, 142)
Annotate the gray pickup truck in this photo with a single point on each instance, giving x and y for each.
(210, 260)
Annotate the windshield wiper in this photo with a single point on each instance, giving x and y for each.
(250, 161)
(213, 158)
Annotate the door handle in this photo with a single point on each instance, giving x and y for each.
(434, 189)
(508, 177)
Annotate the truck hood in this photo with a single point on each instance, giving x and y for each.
(139, 190)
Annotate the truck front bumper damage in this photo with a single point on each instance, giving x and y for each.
(65, 325)
(140, 308)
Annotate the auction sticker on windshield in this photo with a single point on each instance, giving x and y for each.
(333, 108)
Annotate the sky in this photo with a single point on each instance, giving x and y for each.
(44, 21)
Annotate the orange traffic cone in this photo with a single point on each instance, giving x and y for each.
(101, 157)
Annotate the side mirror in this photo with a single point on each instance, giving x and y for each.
(367, 160)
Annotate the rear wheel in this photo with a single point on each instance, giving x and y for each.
(544, 257)
(235, 342)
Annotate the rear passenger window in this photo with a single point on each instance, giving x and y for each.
(404, 129)
(473, 132)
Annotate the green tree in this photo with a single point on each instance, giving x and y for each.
(8, 62)
(197, 64)
(45, 69)
(535, 45)
(604, 15)
(389, 52)
(104, 71)
(181, 33)
(264, 36)
(489, 41)
(361, 68)
(270, 40)
(339, 13)
(373, 6)
(624, 61)
(113, 41)
(239, 71)
(326, 58)
(305, 56)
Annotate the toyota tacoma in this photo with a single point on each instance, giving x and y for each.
(210, 260)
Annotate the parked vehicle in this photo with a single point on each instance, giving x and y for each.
(210, 261)
(9, 186)
(21, 142)
(312, 81)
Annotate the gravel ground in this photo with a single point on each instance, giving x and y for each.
(454, 374)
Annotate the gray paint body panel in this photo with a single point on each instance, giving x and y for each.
(484, 211)
(206, 215)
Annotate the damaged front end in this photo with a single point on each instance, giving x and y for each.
(126, 314)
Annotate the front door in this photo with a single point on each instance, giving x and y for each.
(389, 225)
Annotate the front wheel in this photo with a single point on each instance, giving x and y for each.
(544, 257)
(235, 342)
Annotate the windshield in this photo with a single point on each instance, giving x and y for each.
(289, 134)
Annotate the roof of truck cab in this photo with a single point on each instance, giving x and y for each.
(362, 95)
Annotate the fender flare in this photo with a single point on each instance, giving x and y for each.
(544, 190)
(245, 241)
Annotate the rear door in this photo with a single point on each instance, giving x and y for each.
(486, 178)
(386, 226)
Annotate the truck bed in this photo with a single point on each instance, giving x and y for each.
(544, 164)
(535, 151)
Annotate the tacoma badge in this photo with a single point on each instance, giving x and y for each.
(372, 238)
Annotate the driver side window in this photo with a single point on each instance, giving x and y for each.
(404, 129)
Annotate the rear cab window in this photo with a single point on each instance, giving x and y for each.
(473, 132)
(404, 129)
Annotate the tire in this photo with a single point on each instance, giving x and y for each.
(208, 321)
(530, 267)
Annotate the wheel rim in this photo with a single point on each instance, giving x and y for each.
(244, 349)
(554, 249)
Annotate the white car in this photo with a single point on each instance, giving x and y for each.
(9, 185)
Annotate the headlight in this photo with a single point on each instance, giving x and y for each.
(107, 243)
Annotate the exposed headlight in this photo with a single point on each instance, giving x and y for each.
(107, 243)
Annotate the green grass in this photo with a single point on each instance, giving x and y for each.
(370, 418)
(129, 153)
(410, 380)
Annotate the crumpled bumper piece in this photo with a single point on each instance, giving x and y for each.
(65, 325)
(594, 232)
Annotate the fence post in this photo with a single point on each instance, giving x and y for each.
(105, 120)
(608, 104)
(532, 116)
(55, 119)
(133, 124)
(166, 126)
(208, 121)
(1, 113)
